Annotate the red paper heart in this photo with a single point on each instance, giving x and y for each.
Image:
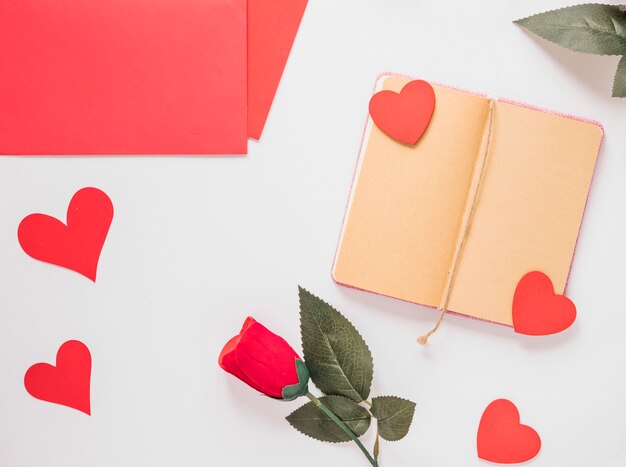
(502, 439)
(537, 310)
(78, 244)
(404, 116)
(68, 382)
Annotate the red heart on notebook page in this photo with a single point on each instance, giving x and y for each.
(75, 245)
(502, 439)
(537, 310)
(68, 382)
(404, 116)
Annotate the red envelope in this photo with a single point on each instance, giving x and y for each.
(123, 77)
(272, 28)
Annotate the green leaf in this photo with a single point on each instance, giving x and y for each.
(338, 358)
(591, 28)
(311, 421)
(301, 388)
(619, 84)
(394, 416)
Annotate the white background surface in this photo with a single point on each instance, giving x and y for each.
(197, 244)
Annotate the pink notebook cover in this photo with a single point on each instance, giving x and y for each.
(364, 139)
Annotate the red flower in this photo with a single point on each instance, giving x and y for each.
(265, 361)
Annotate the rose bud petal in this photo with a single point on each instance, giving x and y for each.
(265, 361)
(228, 361)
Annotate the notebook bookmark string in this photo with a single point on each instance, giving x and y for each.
(465, 228)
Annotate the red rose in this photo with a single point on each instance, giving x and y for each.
(265, 361)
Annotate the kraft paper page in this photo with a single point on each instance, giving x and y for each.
(407, 202)
(529, 208)
(408, 213)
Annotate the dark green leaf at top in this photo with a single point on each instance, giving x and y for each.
(311, 421)
(394, 416)
(619, 83)
(590, 28)
(338, 358)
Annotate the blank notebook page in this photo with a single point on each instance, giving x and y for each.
(409, 208)
(407, 201)
(529, 208)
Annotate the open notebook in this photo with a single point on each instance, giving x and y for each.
(497, 185)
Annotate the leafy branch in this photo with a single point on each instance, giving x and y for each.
(591, 28)
(341, 366)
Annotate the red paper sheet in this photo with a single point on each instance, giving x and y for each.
(123, 77)
(272, 28)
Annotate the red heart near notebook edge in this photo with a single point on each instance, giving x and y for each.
(75, 245)
(502, 438)
(404, 116)
(537, 310)
(67, 383)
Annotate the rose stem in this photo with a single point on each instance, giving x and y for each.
(343, 426)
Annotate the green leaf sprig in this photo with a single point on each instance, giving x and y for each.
(341, 366)
(591, 28)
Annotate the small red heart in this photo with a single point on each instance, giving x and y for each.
(502, 439)
(404, 116)
(78, 244)
(537, 310)
(68, 382)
